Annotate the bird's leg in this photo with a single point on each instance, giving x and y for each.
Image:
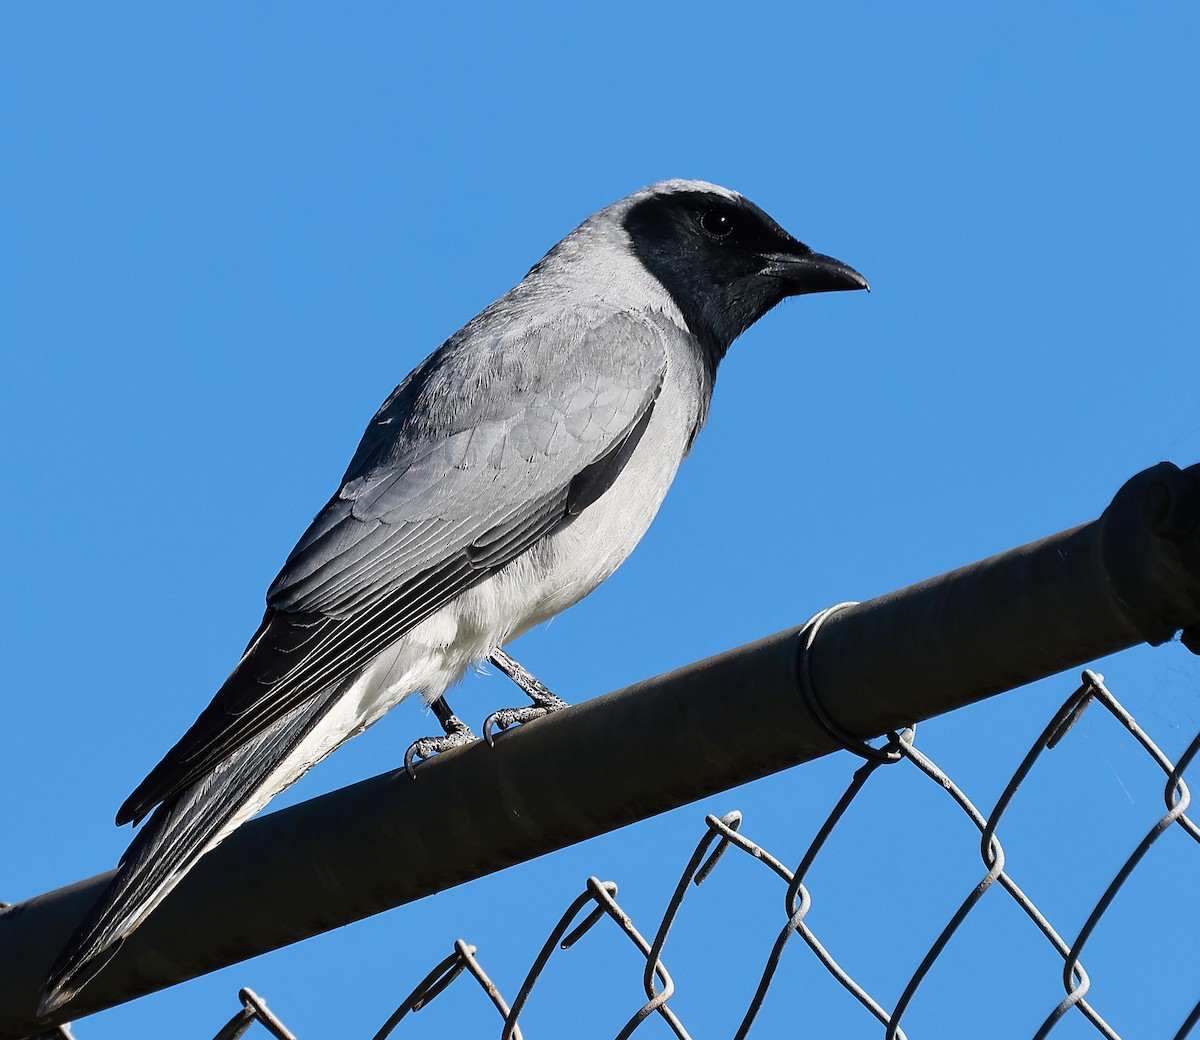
(544, 702)
(457, 733)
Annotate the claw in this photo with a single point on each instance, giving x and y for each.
(544, 702)
(457, 733)
(505, 717)
(415, 751)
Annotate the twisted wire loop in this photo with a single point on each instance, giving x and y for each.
(992, 853)
(603, 894)
(798, 901)
(254, 1009)
(438, 980)
(598, 900)
(1177, 798)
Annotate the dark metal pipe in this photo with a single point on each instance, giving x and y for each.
(1131, 576)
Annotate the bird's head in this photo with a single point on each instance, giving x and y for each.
(723, 260)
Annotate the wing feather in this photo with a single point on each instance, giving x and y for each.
(492, 442)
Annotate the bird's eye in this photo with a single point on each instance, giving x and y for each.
(716, 223)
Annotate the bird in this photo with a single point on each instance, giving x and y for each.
(503, 480)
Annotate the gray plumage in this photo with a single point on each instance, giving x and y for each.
(510, 474)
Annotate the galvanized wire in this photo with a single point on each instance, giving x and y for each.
(598, 901)
(254, 1009)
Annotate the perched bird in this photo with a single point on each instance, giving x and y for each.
(510, 474)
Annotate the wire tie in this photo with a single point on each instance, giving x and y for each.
(853, 744)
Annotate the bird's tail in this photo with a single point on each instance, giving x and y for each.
(177, 834)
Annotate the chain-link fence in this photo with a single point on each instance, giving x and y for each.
(1128, 578)
(724, 837)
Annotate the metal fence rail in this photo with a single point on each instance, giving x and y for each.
(598, 902)
(853, 672)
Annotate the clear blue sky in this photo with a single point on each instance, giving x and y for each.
(228, 231)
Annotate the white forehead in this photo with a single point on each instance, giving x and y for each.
(674, 187)
(684, 185)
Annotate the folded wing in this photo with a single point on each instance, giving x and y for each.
(485, 449)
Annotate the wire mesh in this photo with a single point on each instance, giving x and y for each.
(598, 901)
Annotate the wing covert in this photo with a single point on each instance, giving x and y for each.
(488, 446)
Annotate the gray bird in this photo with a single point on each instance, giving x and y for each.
(501, 482)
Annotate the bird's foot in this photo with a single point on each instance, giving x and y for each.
(544, 702)
(456, 734)
(506, 717)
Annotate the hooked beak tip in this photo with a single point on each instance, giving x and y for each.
(813, 272)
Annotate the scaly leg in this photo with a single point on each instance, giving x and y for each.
(544, 702)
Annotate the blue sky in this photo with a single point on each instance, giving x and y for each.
(230, 230)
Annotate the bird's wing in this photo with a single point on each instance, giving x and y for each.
(492, 443)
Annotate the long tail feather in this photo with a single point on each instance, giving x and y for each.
(173, 839)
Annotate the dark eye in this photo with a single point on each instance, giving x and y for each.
(716, 223)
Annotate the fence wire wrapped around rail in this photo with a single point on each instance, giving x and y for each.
(598, 901)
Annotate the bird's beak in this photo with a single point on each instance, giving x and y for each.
(809, 272)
